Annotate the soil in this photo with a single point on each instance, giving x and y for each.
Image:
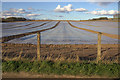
(60, 51)
(34, 75)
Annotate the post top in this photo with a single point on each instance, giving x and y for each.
(99, 32)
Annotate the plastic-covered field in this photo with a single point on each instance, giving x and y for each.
(25, 29)
(106, 27)
(10, 25)
(102, 24)
(64, 33)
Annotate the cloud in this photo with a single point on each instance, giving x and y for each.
(104, 12)
(103, 3)
(46, 19)
(41, 10)
(9, 14)
(59, 16)
(102, 0)
(30, 9)
(80, 10)
(67, 8)
(22, 11)
(33, 15)
(97, 9)
(35, 10)
(13, 12)
(6, 14)
(19, 11)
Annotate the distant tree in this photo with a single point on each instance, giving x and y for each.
(94, 19)
(13, 19)
(103, 18)
(16, 19)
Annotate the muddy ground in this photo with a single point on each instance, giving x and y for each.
(63, 51)
(34, 75)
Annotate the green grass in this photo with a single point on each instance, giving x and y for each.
(59, 68)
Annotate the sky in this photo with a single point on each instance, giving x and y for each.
(59, 10)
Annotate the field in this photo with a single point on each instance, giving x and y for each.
(69, 41)
(63, 33)
(74, 52)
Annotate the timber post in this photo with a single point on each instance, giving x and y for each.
(38, 45)
(99, 47)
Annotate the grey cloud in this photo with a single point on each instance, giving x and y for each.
(103, 3)
(59, 16)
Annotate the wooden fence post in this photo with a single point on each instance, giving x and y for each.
(99, 47)
(38, 45)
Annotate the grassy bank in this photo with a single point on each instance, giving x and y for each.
(60, 68)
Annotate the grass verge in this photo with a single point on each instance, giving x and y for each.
(60, 68)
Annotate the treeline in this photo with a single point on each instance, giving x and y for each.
(101, 18)
(12, 19)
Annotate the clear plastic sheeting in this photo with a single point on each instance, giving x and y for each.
(108, 40)
(25, 26)
(64, 34)
(102, 24)
(111, 28)
(11, 25)
(31, 39)
(26, 29)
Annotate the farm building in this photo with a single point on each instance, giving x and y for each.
(116, 16)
